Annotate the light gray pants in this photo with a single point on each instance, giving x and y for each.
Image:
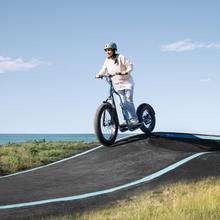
(127, 99)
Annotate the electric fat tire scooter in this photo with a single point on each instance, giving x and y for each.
(106, 121)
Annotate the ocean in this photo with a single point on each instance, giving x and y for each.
(19, 138)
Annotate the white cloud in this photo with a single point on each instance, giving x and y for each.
(205, 80)
(188, 45)
(8, 64)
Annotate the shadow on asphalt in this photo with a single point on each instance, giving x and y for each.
(131, 139)
(200, 140)
(176, 141)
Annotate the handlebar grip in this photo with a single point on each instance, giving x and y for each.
(99, 76)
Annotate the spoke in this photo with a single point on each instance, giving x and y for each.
(147, 119)
(107, 125)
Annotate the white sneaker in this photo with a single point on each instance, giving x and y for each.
(123, 124)
(133, 122)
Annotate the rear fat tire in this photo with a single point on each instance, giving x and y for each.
(140, 111)
(97, 124)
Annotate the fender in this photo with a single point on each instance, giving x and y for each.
(113, 109)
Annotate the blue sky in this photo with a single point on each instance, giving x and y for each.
(50, 51)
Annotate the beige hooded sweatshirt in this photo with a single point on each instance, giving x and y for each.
(122, 65)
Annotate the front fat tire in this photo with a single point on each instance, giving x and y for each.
(97, 124)
(140, 111)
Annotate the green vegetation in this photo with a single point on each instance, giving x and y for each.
(198, 200)
(16, 157)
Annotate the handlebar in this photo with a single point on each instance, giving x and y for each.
(111, 75)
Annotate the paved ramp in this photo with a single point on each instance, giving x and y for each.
(107, 173)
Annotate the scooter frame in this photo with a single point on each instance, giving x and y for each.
(111, 101)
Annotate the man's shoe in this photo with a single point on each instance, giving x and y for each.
(124, 124)
(134, 123)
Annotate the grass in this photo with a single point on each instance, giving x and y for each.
(17, 157)
(198, 200)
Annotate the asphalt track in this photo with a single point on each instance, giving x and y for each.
(106, 174)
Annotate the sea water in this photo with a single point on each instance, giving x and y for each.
(19, 138)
